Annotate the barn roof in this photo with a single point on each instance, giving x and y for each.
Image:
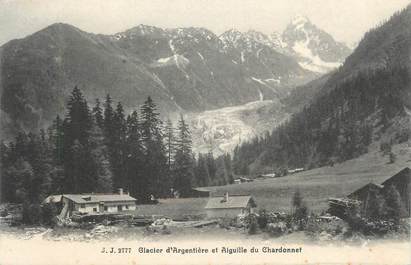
(234, 201)
(96, 198)
(53, 199)
(404, 177)
(366, 188)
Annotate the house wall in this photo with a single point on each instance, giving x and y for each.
(88, 208)
(226, 213)
(404, 188)
(112, 207)
(126, 206)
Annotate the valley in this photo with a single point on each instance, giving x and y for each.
(221, 130)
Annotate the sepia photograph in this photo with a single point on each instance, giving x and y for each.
(205, 132)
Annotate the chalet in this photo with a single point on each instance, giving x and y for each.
(198, 193)
(237, 181)
(230, 206)
(96, 203)
(269, 175)
(401, 181)
(363, 193)
(295, 170)
(242, 180)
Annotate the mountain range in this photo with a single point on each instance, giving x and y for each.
(363, 104)
(184, 69)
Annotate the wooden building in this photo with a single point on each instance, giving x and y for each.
(96, 203)
(363, 194)
(401, 181)
(230, 206)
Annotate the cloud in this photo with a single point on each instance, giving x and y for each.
(347, 20)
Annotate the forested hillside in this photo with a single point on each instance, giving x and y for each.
(366, 100)
(101, 149)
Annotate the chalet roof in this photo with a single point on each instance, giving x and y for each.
(234, 201)
(202, 189)
(366, 188)
(403, 176)
(96, 198)
(53, 199)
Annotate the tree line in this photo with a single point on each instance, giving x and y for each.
(101, 149)
(340, 124)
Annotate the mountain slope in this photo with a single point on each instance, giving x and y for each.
(315, 49)
(366, 101)
(265, 64)
(184, 69)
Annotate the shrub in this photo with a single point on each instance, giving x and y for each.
(300, 213)
(252, 224)
(393, 158)
(48, 213)
(393, 204)
(262, 219)
(277, 229)
(227, 223)
(31, 213)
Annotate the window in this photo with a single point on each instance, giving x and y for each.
(119, 208)
(94, 209)
(126, 207)
(105, 208)
(82, 205)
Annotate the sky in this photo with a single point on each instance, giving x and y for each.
(345, 20)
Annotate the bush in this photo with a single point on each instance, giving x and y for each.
(300, 213)
(393, 158)
(277, 229)
(252, 224)
(48, 213)
(31, 213)
(227, 223)
(262, 219)
(354, 220)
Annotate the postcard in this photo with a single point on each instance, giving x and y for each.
(205, 132)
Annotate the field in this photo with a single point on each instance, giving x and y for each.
(315, 185)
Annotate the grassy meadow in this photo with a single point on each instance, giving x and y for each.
(315, 185)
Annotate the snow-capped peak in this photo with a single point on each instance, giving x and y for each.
(299, 20)
(315, 49)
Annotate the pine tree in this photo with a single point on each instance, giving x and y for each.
(202, 176)
(117, 147)
(57, 138)
(184, 167)
(98, 114)
(80, 175)
(375, 206)
(99, 164)
(393, 205)
(154, 151)
(135, 175)
(108, 118)
(300, 210)
(169, 140)
(212, 168)
(78, 118)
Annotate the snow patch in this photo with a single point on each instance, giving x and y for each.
(274, 80)
(242, 57)
(172, 47)
(178, 60)
(201, 56)
(299, 20)
(258, 52)
(312, 62)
